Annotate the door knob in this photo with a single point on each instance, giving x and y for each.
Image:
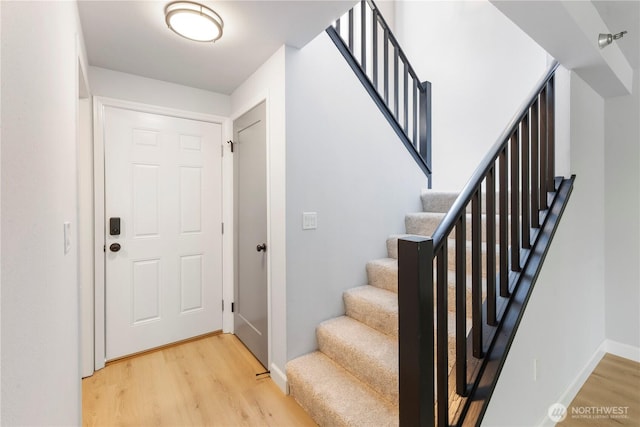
(262, 247)
(115, 247)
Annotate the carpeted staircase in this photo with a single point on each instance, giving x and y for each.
(352, 380)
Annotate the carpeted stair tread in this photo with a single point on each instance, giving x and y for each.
(375, 307)
(333, 397)
(369, 355)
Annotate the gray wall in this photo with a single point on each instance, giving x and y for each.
(345, 163)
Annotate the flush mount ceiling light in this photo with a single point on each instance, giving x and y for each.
(193, 21)
(605, 40)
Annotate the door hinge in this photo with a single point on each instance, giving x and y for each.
(231, 144)
(233, 307)
(222, 151)
(223, 228)
(104, 248)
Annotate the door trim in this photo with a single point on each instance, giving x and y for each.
(99, 206)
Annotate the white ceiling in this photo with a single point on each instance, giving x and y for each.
(132, 37)
(569, 30)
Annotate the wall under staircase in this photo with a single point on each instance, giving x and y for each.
(345, 163)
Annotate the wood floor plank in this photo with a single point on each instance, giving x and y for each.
(609, 397)
(206, 382)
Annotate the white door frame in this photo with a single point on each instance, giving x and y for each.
(99, 222)
(84, 150)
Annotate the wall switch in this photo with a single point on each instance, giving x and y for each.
(67, 237)
(309, 220)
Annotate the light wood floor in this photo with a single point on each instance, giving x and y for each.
(614, 383)
(206, 382)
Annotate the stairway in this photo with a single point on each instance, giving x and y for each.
(352, 379)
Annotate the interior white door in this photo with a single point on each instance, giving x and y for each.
(164, 263)
(251, 311)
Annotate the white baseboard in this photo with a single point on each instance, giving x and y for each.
(607, 346)
(623, 350)
(279, 378)
(579, 381)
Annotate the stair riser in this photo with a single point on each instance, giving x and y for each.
(436, 201)
(383, 276)
(317, 409)
(386, 277)
(385, 321)
(359, 363)
(424, 224)
(333, 397)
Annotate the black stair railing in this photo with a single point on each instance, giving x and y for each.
(367, 43)
(521, 216)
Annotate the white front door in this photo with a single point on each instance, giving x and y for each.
(163, 192)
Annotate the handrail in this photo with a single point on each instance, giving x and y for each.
(508, 242)
(449, 221)
(411, 121)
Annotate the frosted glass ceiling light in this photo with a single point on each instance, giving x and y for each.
(193, 21)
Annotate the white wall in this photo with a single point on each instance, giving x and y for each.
(388, 10)
(268, 83)
(40, 328)
(481, 66)
(345, 163)
(1, 214)
(129, 87)
(622, 213)
(563, 324)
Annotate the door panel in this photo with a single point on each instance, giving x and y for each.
(163, 180)
(251, 314)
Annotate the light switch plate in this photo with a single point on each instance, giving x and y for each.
(309, 220)
(67, 237)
